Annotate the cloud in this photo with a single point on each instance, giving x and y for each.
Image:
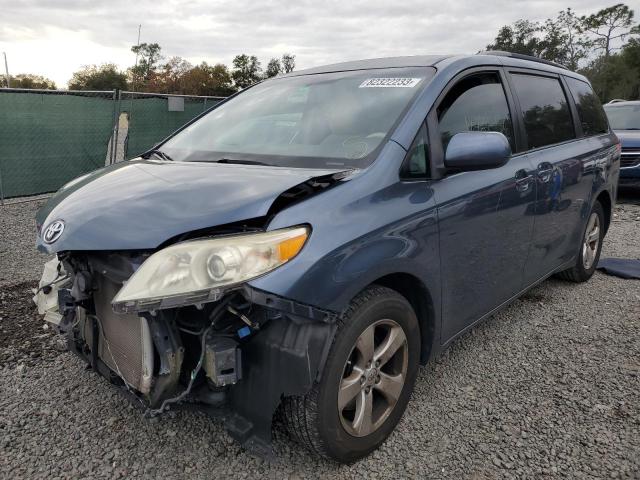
(55, 38)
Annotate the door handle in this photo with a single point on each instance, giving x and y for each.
(523, 180)
(545, 172)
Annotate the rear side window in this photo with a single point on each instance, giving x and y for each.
(545, 110)
(475, 104)
(590, 111)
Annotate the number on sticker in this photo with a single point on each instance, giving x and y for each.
(390, 82)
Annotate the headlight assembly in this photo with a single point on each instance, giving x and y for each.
(200, 271)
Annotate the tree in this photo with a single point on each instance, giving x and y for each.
(102, 77)
(288, 63)
(204, 79)
(28, 80)
(617, 76)
(552, 46)
(273, 68)
(608, 25)
(518, 38)
(558, 40)
(587, 44)
(609, 71)
(576, 45)
(169, 76)
(246, 70)
(630, 56)
(148, 57)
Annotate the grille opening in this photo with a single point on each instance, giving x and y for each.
(629, 158)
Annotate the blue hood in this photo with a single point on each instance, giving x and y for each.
(142, 203)
(629, 138)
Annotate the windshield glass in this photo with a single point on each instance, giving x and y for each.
(330, 120)
(623, 117)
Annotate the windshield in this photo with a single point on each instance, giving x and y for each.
(330, 120)
(623, 117)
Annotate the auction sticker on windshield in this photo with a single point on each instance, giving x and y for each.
(390, 82)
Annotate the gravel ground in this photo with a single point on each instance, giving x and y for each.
(548, 387)
(19, 259)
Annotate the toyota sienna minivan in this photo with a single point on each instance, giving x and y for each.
(305, 245)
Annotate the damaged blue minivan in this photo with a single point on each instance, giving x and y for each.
(305, 245)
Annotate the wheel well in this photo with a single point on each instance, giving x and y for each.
(605, 200)
(418, 296)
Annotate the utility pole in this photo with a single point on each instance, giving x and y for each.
(135, 78)
(6, 69)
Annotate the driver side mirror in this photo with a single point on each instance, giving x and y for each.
(477, 151)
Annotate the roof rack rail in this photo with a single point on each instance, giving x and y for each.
(500, 53)
(616, 100)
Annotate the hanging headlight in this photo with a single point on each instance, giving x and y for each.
(201, 271)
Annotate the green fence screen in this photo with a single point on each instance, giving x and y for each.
(152, 118)
(50, 137)
(47, 139)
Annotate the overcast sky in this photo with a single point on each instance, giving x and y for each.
(56, 37)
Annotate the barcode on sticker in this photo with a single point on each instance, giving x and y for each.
(390, 82)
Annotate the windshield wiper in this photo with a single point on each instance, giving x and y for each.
(236, 162)
(157, 153)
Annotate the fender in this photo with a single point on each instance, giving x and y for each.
(357, 238)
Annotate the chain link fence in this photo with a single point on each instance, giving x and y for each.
(48, 137)
(152, 117)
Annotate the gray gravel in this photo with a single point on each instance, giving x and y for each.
(548, 387)
(19, 259)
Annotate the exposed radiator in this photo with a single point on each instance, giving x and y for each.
(125, 343)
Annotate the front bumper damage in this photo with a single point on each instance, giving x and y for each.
(234, 358)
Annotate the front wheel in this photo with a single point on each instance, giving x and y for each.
(367, 380)
(590, 248)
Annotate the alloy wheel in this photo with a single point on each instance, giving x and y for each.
(373, 377)
(591, 241)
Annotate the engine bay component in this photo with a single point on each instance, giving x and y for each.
(125, 342)
(222, 362)
(215, 357)
(46, 296)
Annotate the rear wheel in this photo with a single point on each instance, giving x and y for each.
(366, 382)
(590, 248)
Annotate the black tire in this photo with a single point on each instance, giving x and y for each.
(578, 273)
(313, 419)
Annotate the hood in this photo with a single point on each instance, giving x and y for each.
(141, 203)
(629, 138)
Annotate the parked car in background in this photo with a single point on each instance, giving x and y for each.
(624, 118)
(309, 242)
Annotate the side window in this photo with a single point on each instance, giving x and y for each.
(475, 104)
(590, 111)
(545, 110)
(416, 164)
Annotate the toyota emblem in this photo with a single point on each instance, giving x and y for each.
(53, 231)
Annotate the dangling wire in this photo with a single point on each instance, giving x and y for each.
(215, 314)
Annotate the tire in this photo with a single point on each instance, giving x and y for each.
(586, 265)
(316, 422)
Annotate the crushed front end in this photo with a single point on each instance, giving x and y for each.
(232, 352)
